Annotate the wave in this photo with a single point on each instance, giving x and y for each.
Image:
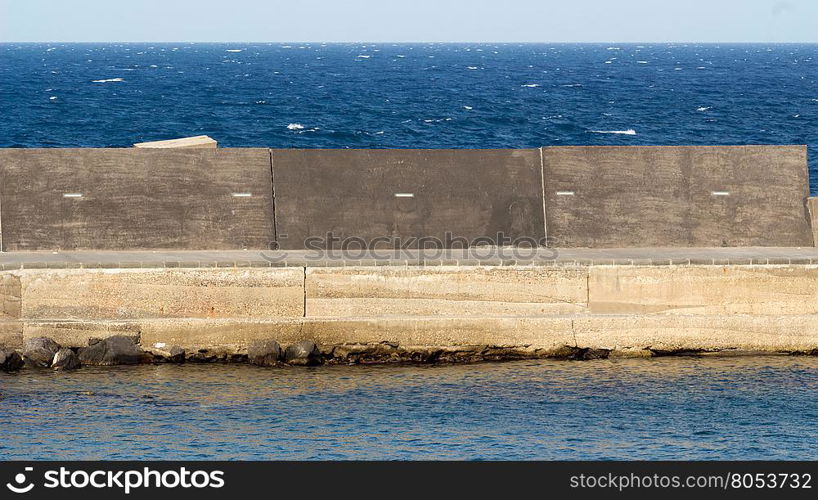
(234, 50)
(531, 85)
(295, 126)
(702, 109)
(109, 80)
(630, 131)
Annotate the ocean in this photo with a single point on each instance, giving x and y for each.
(312, 95)
(744, 408)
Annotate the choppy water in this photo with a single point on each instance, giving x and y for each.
(666, 408)
(409, 96)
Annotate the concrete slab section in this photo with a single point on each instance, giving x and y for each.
(722, 290)
(113, 199)
(445, 291)
(125, 294)
(11, 334)
(545, 333)
(78, 333)
(677, 196)
(199, 141)
(10, 302)
(361, 195)
(698, 332)
(812, 205)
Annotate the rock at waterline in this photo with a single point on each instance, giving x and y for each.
(303, 353)
(10, 361)
(116, 350)
(65, 359)
(175, 354)
(264, 353)
(39, 351)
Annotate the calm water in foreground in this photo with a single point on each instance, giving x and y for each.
(667, 408)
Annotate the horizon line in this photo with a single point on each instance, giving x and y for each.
(338, 42)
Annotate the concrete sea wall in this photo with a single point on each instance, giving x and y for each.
(390, 312)
(219, 199)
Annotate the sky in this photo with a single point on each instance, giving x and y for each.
(409, 21)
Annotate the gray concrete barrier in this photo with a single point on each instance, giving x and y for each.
(406, 194)
(135, 199)
(677, 196)
(120, 199)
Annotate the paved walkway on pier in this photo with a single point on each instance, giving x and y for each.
(486, 256)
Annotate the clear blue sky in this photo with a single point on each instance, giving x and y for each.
(412, 20)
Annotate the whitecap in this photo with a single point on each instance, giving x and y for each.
(234, 50)
(472, 67)
(53, 98)
(295, 126)
(702, 109)
(531, 85)
(109, 80)
(570, 85)
(361, 56)
(468, 108)
(630, 131)
(641, 62)
(608, 62)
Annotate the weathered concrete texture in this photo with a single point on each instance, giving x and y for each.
(673, 333)
(628, 335)
(236, 335)
(9, 296)
(78, 333)
(445, 291)
(11, 334)
(723, 290)
(812, 205)
(677, 196)
(136, 199)
(161, 293)
(352, 193)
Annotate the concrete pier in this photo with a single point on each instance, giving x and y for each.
(614, 302)
(578, 252)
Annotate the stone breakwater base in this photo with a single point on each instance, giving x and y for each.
(389, 312)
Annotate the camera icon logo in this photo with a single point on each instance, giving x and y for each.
(20, 480)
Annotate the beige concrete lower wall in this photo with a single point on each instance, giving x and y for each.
(11, 334)
(778, 290)
(699, 332)
(812, 208)
(445, 291)
(660, 308)
(162, 293)
(10, 302)
(614, 332)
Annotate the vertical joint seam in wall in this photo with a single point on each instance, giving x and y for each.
(273, 192)
(542, 184)
(305, 292)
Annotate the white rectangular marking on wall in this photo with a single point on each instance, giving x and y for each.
(404, 195)
(72, 195)
(565, 193)
(721, 193)
(242, 195)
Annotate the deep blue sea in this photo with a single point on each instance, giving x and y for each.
(409, 95)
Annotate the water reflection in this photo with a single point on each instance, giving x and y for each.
(667, 408)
